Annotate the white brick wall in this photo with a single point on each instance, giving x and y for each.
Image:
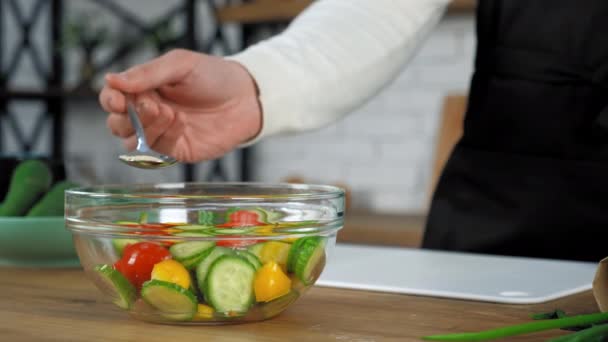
(384, 150)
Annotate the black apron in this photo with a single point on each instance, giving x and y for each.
(530, 175)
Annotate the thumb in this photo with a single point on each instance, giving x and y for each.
(166, 69)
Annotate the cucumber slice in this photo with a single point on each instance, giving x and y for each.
(203, 267)
(232, 231)
(267, 215)
(171, 300)
(262, 214)
(192, 234)
(195, 227)
(311, 253)
(191, 253)
(253, 260)
(293, 253)
(127, 223)
(120, 244)
(206, 217)
(195, 291)
(278, 305)
(124, 292)
(143, 217)
(229, 285)
(276, 251)
(271, 216)
(256, 249)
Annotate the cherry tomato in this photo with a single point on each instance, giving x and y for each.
(239, 218)
(129, 272)
(138, 260)
(242, 218)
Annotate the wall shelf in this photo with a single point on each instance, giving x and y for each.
(462, 6)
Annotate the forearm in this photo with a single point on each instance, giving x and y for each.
(334, 57)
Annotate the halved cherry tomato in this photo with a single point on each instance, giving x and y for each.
(242, 218)
(138, 260)
(239, 218)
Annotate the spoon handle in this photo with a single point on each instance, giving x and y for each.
(142, 145)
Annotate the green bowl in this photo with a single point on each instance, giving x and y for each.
(36, 242)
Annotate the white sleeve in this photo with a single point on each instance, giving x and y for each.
(333, 57)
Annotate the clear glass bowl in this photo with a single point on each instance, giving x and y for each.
(204, 253)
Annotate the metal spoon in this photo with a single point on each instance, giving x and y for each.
(143, 157)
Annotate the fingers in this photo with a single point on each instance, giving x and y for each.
(119, 125)
(161, 138)
(159, 127)
(112, 100)
(154, 129)
(166, 142)
(166, 69)
(130, 142)
(147, 107)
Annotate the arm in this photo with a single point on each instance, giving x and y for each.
(334, 57)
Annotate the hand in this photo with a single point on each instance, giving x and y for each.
(193, 106)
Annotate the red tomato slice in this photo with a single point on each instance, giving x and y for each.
(242, 218)
(138, 260)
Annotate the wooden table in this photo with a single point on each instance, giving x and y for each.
(62, 305)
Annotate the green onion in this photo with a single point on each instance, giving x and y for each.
(523, 328)
(549, 315)
(596, 333)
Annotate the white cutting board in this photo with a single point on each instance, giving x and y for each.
(477, 277)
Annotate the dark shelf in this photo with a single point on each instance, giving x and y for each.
(47, 94)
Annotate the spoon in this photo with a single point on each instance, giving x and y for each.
(143, 156)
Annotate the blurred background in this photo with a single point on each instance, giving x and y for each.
(54, 53)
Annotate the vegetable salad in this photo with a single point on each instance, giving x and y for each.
(236, 277)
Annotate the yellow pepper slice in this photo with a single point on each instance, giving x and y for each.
(203, 312)
(271, 282)
(275, 251)
(265, 230)
(173, 272)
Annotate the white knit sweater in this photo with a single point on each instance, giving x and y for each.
(333, 57)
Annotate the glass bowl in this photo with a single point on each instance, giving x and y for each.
(204, 253)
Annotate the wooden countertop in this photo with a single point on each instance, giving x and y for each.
(62, 305)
